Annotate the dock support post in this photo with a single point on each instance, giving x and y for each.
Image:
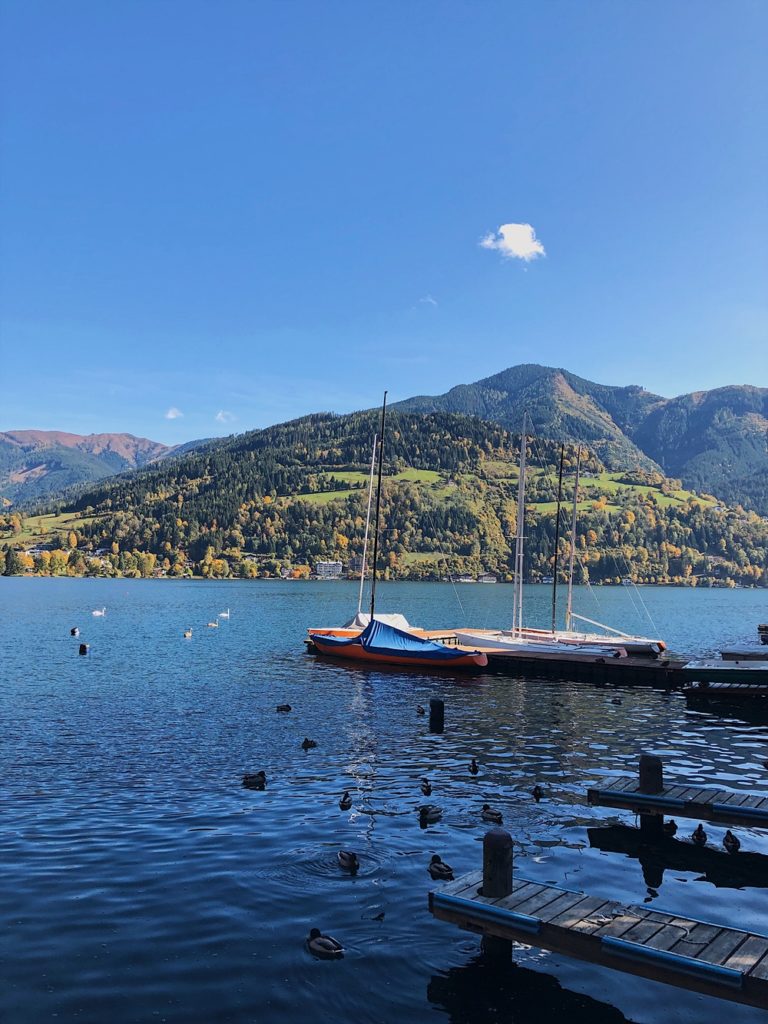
(651, 780)
(436, 715)
(497, 882)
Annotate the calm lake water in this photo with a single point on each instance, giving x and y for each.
(142, 882)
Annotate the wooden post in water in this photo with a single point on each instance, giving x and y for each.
(436, 715)
(651, 780)
(497, 882)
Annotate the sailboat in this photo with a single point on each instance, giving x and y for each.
(360, 620)
(382, 643)
(541, 641)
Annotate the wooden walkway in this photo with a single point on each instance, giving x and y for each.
(687, 801)
(680, 951)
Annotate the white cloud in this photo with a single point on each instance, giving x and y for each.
(427, 300)
(174, 413)
(223, 416)
(514, 241)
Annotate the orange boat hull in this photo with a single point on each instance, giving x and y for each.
(356, 652)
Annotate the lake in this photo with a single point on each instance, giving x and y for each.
(142, 882)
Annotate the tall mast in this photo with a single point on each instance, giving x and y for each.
(557, 536)
(367, 524)
(569, 602)
(517, 605)
(378, 508)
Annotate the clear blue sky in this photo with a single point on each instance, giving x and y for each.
(263, 209)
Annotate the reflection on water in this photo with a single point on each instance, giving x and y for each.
(141, 880)
(486, 990)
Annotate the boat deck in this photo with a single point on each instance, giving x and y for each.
(716, 805)
(703, 957)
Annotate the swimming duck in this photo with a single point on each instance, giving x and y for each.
(439, 870)
(429, 814)
(324, 946)
(426, 787)
(670, 827)
(537, 792)
(699, 835)
(74, 631)
(346, 801)
(731, 842)
(308, 744)
(255, 780)
(187, 634)
(489, 813)
(420, 710)
(284, 707)
(473, 767)
(348, 861)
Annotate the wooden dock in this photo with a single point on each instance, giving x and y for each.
(696, 955)
(687, 801)
(725, 691)
(662, 672)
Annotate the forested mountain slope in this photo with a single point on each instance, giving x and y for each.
(284, 497)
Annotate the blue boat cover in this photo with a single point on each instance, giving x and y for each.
(378, 637)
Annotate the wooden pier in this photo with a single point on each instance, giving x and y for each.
(654, 799)
(662, 672)
(688, 953)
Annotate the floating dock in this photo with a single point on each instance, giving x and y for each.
(663, 672)
(744, 654)
(726, 691)
(697, 955)
(721, 806)
(711, 670)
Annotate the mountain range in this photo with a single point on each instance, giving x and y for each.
(714, 441)
(35, 464)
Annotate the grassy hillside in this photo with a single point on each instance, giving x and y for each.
(285, 497)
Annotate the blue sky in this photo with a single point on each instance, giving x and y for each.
(251, 210)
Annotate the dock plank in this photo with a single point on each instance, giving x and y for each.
(748, 955)
(722, 946)
(720, 806)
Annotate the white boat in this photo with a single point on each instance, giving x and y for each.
(611, 643)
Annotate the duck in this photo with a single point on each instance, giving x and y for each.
(537, 792)
(99, 612)
(669, 827)
(426, 787)
(74, 631)
(348, 861)
(284, 707)
(308, 744)
(223, 615)
(699, 836)
(489, 813)
(187, 634)
(346, 801)
(420, 710)
(324, 946)
(439, 870)
(429, 814)
(731, 842)
(473, 767)
(255, 780)
(214, 624)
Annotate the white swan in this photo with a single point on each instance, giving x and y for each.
(99, 611)
(223, 615)
(213, 625)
